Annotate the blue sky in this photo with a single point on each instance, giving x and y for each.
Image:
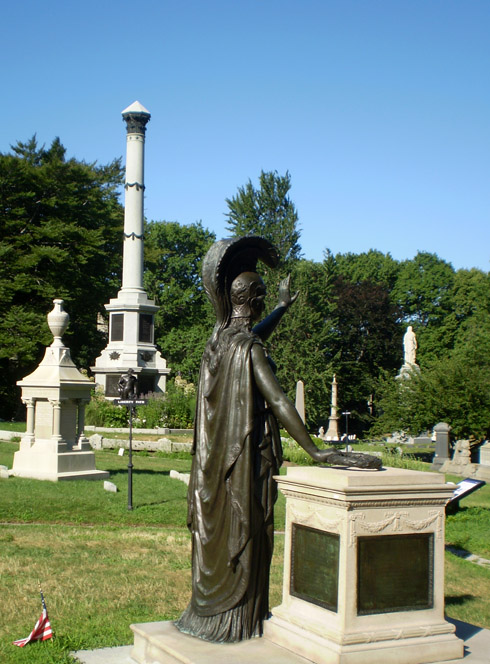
(380, 110)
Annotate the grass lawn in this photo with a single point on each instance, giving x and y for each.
(103, 567)
(12, 426)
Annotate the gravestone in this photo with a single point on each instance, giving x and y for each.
(300, 399)
(441, 433)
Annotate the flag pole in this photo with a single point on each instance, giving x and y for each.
(42, 596)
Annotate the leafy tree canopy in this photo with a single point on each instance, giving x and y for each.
(372, 266)
(173, 257)
(61, 236)
(267, 211)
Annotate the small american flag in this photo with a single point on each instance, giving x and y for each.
(42, 629)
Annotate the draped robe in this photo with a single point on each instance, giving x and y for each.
(237, 451)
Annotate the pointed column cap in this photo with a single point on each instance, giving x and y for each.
(136, 117)
(136, 107)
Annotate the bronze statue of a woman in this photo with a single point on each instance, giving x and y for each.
(237, 448)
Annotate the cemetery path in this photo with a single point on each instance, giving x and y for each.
(471, 557)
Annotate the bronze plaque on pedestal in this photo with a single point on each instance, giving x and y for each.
(315, 566)
(395, 573)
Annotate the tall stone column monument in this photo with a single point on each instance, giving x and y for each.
(131, 314)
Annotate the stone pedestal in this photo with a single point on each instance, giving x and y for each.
(131, 346)
(364, 568)
(54, 446)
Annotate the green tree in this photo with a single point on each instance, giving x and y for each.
(368, 340)
(372, 266)
(61, 236)
(301, 345)
(424, 291)
(453, 384)
(454, 390)
(268, 212)
(173, 257)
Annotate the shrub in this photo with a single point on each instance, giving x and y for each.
(174, 409)
(102, 413)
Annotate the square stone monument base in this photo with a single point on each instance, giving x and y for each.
(364, 568)
(55, 460)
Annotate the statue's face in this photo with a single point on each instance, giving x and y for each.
(248, 295)
(257, 301)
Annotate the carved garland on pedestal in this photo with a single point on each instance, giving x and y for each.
(399, 521)
(315, 519)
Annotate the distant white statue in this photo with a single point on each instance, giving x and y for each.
(409, 345)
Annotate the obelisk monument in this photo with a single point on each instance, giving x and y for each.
(333, 420)
(131, 314)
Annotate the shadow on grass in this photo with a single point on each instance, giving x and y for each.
(138, 471)
(458, 600)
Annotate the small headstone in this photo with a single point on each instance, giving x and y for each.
(4, 473)
(109, 486)
(96, 441)
(183, 477)
(164, 444)
(121, 451)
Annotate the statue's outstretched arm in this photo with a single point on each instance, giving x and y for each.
(280, 405)
(289, 417)
(265, 328)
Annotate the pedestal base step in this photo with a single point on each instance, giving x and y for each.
(320, 650)
(162, 643)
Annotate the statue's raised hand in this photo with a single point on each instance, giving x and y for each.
(285, 297)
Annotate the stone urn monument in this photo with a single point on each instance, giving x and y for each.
(55, 394)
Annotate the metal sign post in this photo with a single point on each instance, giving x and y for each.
(346, 413)
(130, 405)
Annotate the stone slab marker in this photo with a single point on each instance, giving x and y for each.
(441, 433)
(300, 399)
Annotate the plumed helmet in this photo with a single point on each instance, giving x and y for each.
(225, 260)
